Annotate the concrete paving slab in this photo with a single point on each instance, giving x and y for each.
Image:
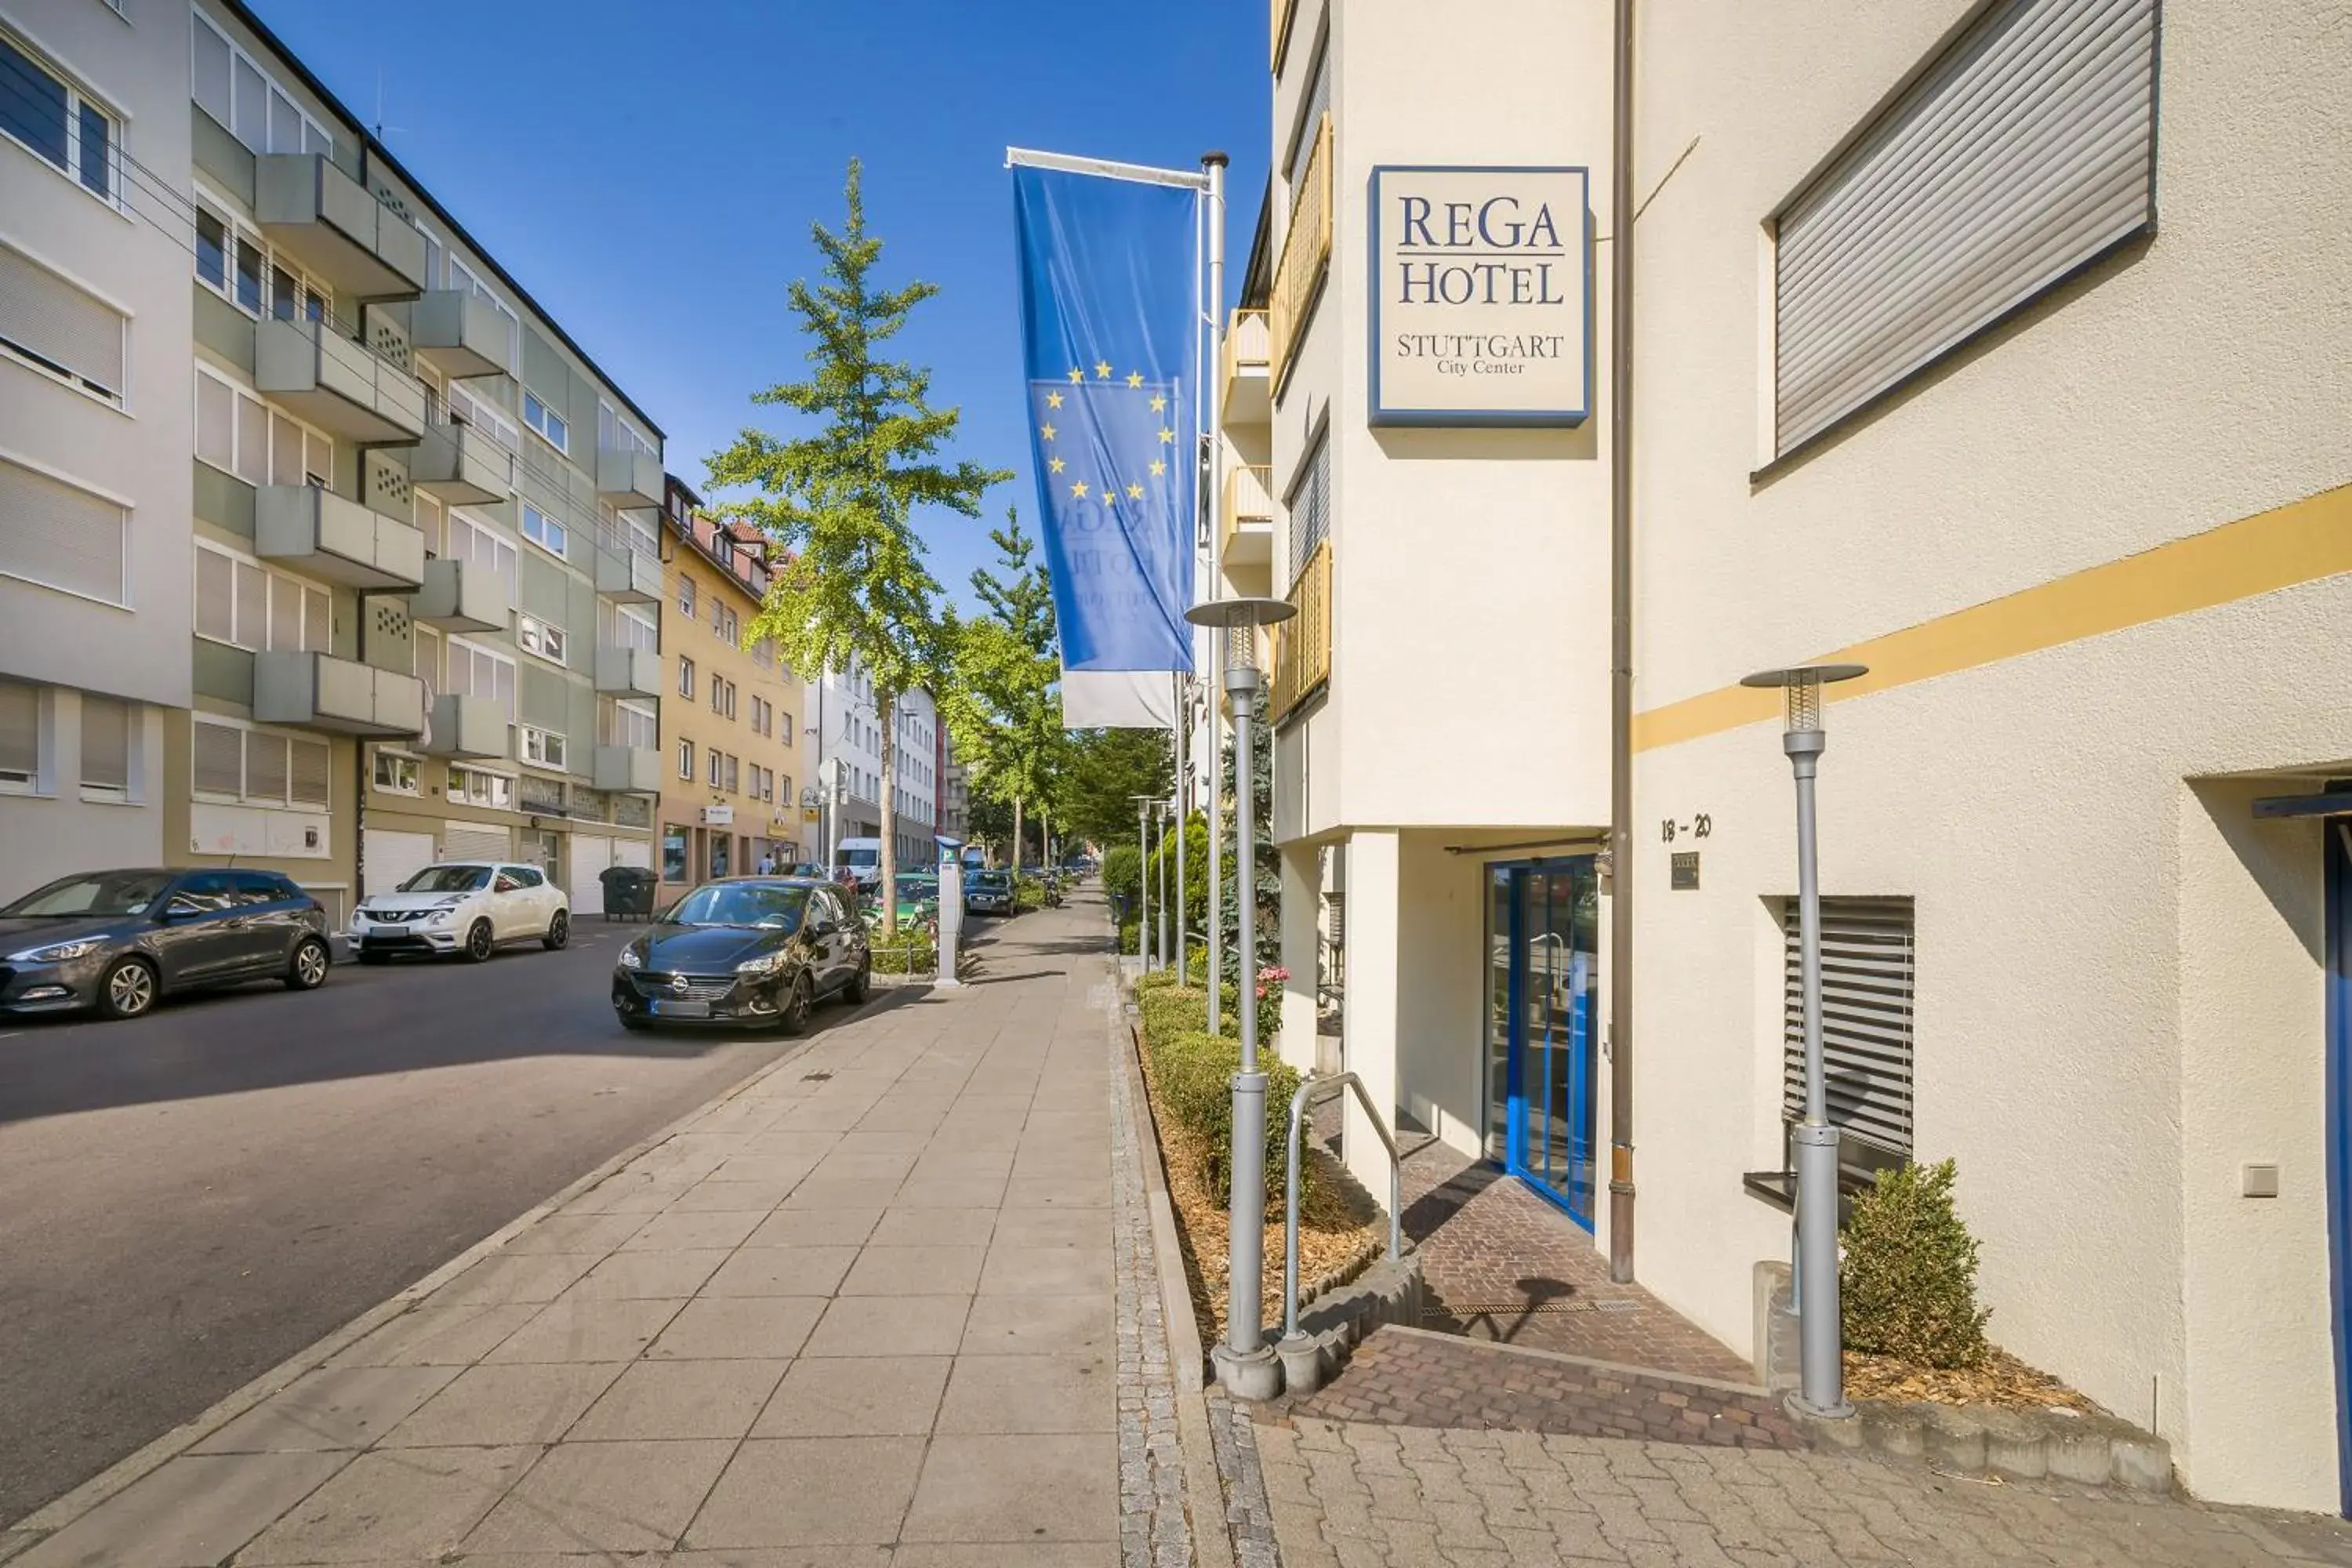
(782, 1271)
(433, 1333)
(1045, 1272)
(592, 1235)
(382, 1505)
(1016, 1488)
(856, 1396)
(681, 1230)
(578, 1327)
(1051, 1192)
(866, 1194)
(334, 1407)
(672, 1399)
(864, 1165)
(811, 1491)
(909, 1325)
(932, 1193)
(1039, 1325)
(193, 1511)
(503, 1405)
(717, 1194)
(1030, 1394)
(815, 1227)
(934, 1227)
(915, 1271)
(1055, 1228)
(517, 1276)
(652, 1275)
(751, 1328)
(613, 1497)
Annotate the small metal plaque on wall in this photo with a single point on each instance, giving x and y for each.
(1685, 872)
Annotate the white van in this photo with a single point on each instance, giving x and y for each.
(862, 858)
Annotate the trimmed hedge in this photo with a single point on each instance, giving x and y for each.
(911, 952)
(1908, 1281)
(1192, 1072)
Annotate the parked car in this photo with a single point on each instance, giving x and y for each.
(988, 893)
(470, 908)
(919, 899)
(745, 950)
(117, 940)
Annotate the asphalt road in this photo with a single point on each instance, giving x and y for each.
(188, 1199)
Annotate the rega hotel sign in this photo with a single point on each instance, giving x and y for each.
(1482, 301)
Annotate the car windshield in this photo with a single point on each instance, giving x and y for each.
(773, 905)
(98, 893)
(989, 879)
(919, 887)
(861, 857)
(447, 880)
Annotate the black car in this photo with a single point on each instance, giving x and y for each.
(988, 893)
(116, 940)
(745, 950)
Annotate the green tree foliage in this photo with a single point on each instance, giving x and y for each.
(1002, 701)
(840, 496)
(1908, 1283)
(1105, 768)
(1267, 865)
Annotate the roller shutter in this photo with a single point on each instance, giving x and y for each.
(2025, 151)
(476, 841)
(1867, 962)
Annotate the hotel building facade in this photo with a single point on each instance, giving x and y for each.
(1996, 347)
(323, 548)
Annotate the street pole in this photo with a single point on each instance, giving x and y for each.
(1160, 842)
(1215, 163)
(1244, 1364)
(1142, 881)
(1177, 734)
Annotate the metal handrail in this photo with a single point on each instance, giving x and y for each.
(1313, 1089)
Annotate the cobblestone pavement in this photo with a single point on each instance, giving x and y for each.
(1503, 1264)
(1356, 1495)
(1401, 1377)
(1152, 1530)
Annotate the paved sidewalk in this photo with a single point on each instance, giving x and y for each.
(862, 1311)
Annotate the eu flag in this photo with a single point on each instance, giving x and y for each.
(1109, 315)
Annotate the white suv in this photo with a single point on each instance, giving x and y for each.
(466, 907)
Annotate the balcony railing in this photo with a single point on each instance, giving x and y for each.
(335, 226)
(1302, 645)
(1246, 365)
(458, 464)
(629, 576)
(462, 333)
(1284, 13)
(629, 672)
(319, 691)
(629, 476)
(628, 770)
(1306, 255)
(1248, 536)
(324, 535)
(461, 596)
(343, 388)
(473, 728)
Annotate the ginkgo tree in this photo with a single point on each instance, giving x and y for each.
(840, 495)
(1002, 702)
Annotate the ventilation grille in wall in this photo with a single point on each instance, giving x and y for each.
(391, 620)
(388, 488)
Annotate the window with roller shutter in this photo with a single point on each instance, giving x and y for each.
(2021, 155)
(1867, 984)
(60, 536)
(59, 327)
(260, 767)
(106, 746)
(20, 737)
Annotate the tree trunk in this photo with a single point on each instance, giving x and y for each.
(885, 708)
(1016, 845)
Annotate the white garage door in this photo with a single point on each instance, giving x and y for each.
(633, 852)
(476, 841)
(393, 857)
(590, 856)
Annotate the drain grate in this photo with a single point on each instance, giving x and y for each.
(1438, 1313)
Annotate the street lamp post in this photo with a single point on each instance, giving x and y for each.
(1143, 804)
(1820, 1342)
(1246, 1365)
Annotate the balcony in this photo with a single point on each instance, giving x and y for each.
(628, 475)
(1302, 645)
(321, 534)
(1248, 540)
(336, 385)
(461, 596)
(1247, 399)
(628, 770)
(629, 576)
(319, 692)
(1306, 258)
(629, 672)
(329, 222)
(469, 728)
(460, 465)
(462, 334)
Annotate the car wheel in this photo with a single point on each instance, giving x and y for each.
(128, 991)
(477, 942)
(795, 1014)
(861, 985)
(306, 969)
(559, 931)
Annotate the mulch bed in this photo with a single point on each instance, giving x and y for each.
(1340, 1226)
(2003, 1380)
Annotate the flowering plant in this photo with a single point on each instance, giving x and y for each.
(1273, 975)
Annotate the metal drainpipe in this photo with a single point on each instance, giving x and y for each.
(1621, 657)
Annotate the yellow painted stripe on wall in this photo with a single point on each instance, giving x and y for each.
(2299, 543)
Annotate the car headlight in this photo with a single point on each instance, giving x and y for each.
(59, 953)
(631, 959)
(766, 963)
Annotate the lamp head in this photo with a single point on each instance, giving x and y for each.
(1803, 684)
(1239, 619)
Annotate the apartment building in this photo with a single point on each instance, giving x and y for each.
(849, 735)
(1996, 348)
(732, 729)
(415, 515)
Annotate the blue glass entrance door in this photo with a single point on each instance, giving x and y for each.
(2338, 868)
(1542, 948)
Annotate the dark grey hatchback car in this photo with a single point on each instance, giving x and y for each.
(756, 952)
(117, 940)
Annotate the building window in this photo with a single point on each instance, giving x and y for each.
(546, 421)
(686, 595)
(237, 92)
(627, 724)
(63, 537)
(685, 761)
(544, 530)
(479, 672)
(260, 767)
(395, 774)
(622, 626)
(239, 434)
(233, 262)
(674, 853)
(538, 636)
(52, 118)
(20, 738)
(106, 726)
(59, 330)
(2023, 154)
(544, 747)
(1309, 505)
(472, 542)
(734, 776)
(241, 603)
(715, 770)
(472, 787)
(1867, 965)
(685, 678)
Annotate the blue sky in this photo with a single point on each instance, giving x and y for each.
(651, 181)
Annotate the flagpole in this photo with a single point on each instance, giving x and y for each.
(1215, 164)
(1145, 174)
